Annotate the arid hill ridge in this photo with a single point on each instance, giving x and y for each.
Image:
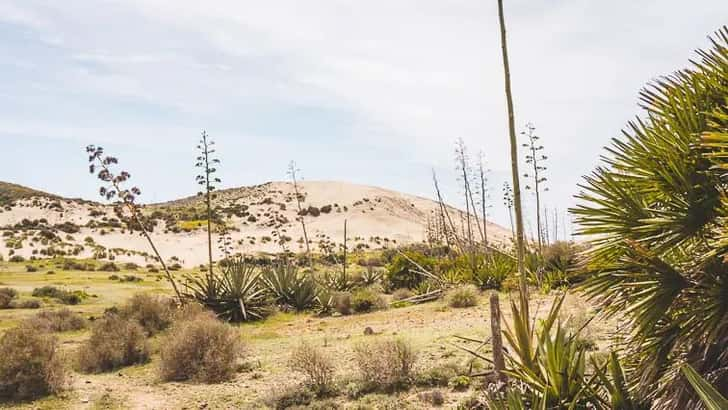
(261, 218)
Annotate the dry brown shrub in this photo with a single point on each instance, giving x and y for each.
(153, 313)
(31, 364)
(387, 364)
(115, 342)
(318, 368)
(61, 320)
(201, 349)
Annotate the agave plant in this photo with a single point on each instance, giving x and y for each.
(236, 295)
(371, 276)
(291, 288)
(496, 268)
(655, 215)
(337, 280)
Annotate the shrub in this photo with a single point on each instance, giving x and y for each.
(465, 296)
(366, 300)
(28, 304)
(131, 266)
(440, 375)
(316, 366)
(31, 268)
(402, 273)
(16, 258)
(434, 397)
(6, 297)
(61, 320)
(109, 267)
(115, 342)
(201, 349)
(387, 364)
(290, 397)
(64, 296)
(342, 302)
(153, 313)
(459, 383)
(31, 366)
(401, 294)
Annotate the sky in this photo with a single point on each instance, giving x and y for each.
(373, 92)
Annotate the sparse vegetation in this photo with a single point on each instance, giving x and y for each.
(386, 364)
(316, 366)
(462, 297)
(59, 320)
(201, 349)
(115, 342)
(31, 365)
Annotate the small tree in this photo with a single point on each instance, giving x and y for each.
(535, 158)
(207, 180)
(112, 187)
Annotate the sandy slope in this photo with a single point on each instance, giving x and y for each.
(375, 217)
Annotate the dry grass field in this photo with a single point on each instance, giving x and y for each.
(430, 328)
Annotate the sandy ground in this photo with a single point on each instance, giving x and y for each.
(375, 217)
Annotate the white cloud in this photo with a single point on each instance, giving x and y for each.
(408, 76)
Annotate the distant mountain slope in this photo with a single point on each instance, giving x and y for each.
(261, 218)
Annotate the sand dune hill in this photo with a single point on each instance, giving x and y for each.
(260, 218)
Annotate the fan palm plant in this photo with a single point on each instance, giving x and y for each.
(654, 212)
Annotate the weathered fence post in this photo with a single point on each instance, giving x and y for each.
(497, 337)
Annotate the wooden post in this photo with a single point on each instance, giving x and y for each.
(497, 337)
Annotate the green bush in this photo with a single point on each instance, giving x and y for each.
(64, 296)
(109, 267)
(367, 300)
(464, 296)
(401, 273)
(290, 397)
(201, 349)
(31, 365)
(115, 342)
(6, 297)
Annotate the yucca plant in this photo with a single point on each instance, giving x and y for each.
(291, 288)
(550, 362)
(654, 212)
(710, 397)
(337, 280)
(371, 276)
(236, 295)
(496, 268)
(613, 390)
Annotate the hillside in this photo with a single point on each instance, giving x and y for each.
(260, 218)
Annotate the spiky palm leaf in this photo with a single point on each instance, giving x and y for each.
(654, 213)
(236, 295)
(290, 287)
